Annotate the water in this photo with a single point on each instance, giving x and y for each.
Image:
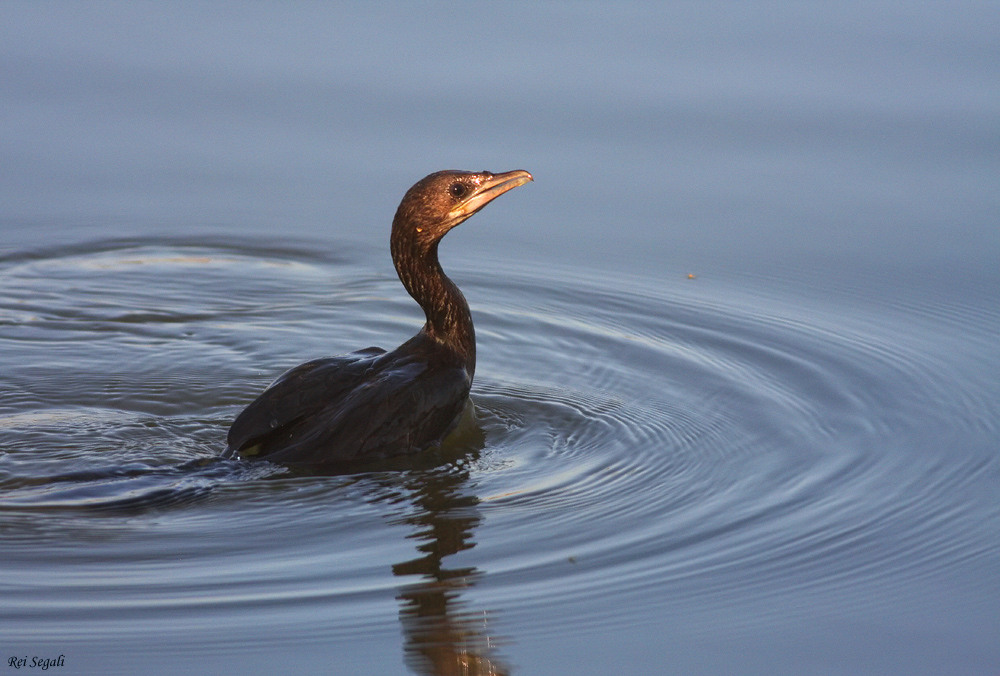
(737, 389)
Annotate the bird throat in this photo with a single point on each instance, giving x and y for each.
(449, 320)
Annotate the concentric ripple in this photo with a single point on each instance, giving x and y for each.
(643, 443)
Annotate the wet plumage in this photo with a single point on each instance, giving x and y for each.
(374, 404)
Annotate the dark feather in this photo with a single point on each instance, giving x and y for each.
(361, 406)
(373, 404)
(299, 393)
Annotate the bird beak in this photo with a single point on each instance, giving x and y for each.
(489, 190)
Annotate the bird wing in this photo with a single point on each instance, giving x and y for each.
(298, 393)
(411, 406)
(399, 405)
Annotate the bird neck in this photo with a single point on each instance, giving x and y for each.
(449, 320)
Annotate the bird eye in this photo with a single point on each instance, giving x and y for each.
(458, 190)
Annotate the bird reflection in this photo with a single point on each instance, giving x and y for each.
(443, 636)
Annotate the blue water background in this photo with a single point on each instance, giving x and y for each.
(835, 164)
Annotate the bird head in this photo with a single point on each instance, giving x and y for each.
(439, 202)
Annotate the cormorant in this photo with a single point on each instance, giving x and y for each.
(373, 404)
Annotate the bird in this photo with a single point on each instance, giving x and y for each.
(371, 404)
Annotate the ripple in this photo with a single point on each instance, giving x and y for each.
(715, 441)
(643, 443)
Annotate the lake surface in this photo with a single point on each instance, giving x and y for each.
(738, 382)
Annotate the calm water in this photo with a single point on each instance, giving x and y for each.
(738, 390)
